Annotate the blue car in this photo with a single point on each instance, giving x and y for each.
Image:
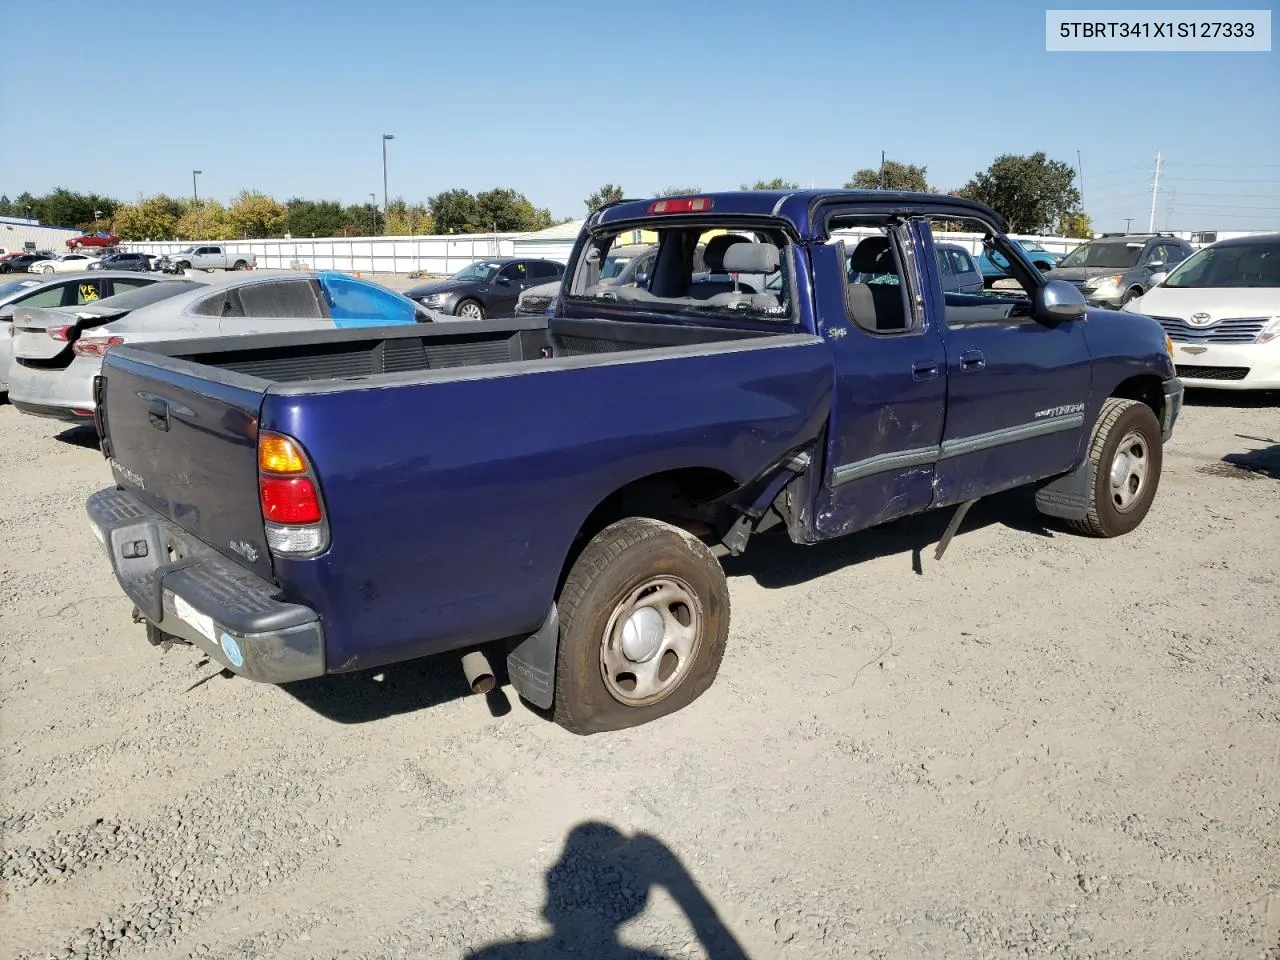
(998, 268)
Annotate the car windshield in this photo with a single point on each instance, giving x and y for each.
(1253, 264)
(480, 270)
(1031, 246)
(187, 250)
(1113, 254)
(613, 266)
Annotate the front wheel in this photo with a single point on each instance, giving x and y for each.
(469, 310)
(644, 617)
(1133, 293)
(1125, 457)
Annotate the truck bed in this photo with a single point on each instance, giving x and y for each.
(395, 354)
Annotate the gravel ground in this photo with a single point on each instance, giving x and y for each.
(1039, 746)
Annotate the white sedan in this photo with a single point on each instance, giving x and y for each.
(1221, 309)
(66, 263)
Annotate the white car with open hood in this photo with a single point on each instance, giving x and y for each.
(1221, 309)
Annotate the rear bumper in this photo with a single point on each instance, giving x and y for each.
(59, 394)
(189, 590)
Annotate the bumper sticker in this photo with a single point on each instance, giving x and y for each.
(194, 618)
(232, 650)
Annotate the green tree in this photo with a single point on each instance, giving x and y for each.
(897, 176)
(1076, 225)
(677, 191)
(7, 206)
(455, 211)
(66, 208)
(208, 220)
(777, 183)
(313, 218)
(407, 220)
(361, 220)
(609, 193)
(504, 210)
(253, 215)
(1031, 192)
(155, 218)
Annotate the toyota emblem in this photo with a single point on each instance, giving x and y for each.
(1200, 320)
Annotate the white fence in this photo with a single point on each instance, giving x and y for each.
(443, 255)
(435, 255)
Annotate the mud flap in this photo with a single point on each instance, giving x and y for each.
(1067, 496)
(531, 664)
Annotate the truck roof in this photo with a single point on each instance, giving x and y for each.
(797, 207)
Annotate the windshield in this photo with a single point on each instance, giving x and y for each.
(480, 270)
(1103, 255)
(613, 266)
(187, 250)
(1254, 264)
(1031, 246)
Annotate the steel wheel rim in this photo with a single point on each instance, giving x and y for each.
(1130, 468)
(470, 310)
(651, 641)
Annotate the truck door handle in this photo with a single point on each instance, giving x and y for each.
(926, 370)
(158, 414)
(972, 360)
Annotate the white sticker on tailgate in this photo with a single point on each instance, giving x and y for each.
(190, 615)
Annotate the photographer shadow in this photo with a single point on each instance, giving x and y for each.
(602, 881)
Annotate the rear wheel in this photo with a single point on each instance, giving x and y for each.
(241, 265)
(1125, 456)
(469, 310)
(644, 616)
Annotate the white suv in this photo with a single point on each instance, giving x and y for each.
(1221, 309)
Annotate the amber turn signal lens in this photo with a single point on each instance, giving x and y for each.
(277, 454)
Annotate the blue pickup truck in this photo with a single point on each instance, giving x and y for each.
(560, 488)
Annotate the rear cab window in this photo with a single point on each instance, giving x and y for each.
(700, 268)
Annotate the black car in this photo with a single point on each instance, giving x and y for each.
(123, 261)
(19, 262)
(486, 288)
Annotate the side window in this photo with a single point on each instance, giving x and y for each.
(123, 286)
(515, 272)
(946, 265)
(88, 291)
(48, 297)
(224, 303)
(213, 250)
(875, 294)
(1156, 253)
(294, 299)
(354, 303)
(964, 263)
(544, 271)
(1177, 254)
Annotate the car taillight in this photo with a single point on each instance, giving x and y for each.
(95, 346)
(681, 205)
(292, 510)
(59, 331)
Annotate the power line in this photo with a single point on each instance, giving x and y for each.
(1219, 180)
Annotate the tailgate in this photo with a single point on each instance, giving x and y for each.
(183, 439)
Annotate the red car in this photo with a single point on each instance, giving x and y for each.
(94, 240)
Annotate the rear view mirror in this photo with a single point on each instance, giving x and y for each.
(1055, 301)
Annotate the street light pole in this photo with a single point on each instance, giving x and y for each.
(195, 201)
(1127, 221)
(373, 214)
(385, 138)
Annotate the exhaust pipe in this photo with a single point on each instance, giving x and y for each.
(478, 672)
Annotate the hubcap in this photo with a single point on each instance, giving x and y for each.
(650, 641)
(470, 311)
(1129, 471)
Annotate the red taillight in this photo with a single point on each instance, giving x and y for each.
(289, 500)
(95, 346)
(681, 205)
(59, 331)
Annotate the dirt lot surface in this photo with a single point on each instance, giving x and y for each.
(1040, 745)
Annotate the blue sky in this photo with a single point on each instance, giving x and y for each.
(555, 99)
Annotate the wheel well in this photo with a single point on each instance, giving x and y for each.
(680, 497)
(1147, 388)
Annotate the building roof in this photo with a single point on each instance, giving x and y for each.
(561, 231)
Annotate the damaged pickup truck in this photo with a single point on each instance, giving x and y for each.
(303, 504)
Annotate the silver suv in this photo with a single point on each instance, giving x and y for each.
(1116, 268)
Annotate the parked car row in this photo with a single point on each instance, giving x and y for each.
(57, 330)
